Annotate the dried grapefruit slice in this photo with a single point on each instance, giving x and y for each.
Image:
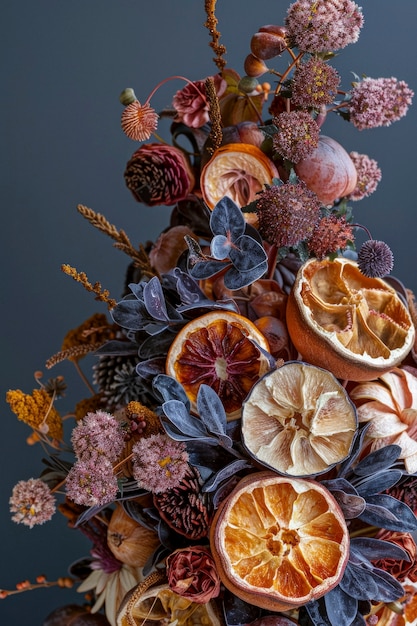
(339, 319)
(220, 349)
(236, 170)
(299, 420)
(279, 542)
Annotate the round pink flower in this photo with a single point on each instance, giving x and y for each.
(98, 434)
(91, 483)
(297, 137)
(32, 502)
(378, 102)
(159, 462)
(191, 105)
(192, 574)
(159, 174)
(324, 25)
(369, 176)
(315, 83)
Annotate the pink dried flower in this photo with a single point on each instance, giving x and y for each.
(401, 569)
(330, 235)
(315, 83)
(191, 104)
(139, 121)
(378, 102)
(297, 137)
(369, 176)
(287, 213)
(32, 502)
(324, 25)
(159, 174)
(375, 259)
(98, 434)
(159, 462)
(192, 574)
(91, 483)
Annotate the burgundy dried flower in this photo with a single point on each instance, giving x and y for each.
(369, 176)
(400, 569)
(375, 259)
(32, 502)
(297, 137)
(192, 574)
(139, 121)
(378, 102)
(330, 235)
(324, 25)
(191, 104)
(159, 462)
(91, 483)
(315, 83)
(287, 213)
(99, 434)
(159, 174)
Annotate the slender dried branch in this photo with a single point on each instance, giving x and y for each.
(123, 243)
(215, 137)
(81, 277)
(211, 25)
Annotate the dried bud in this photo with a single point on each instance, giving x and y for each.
(254, 67)
(268, 42)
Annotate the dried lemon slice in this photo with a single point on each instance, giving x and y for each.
(355, 326)
(279, 542)
(221, 349)
(299, 420)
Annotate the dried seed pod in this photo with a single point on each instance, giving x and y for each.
(130, 542)
(268, 42)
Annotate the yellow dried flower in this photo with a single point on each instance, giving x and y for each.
(35, 410)
(96, 329)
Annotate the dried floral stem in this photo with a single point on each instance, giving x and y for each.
(65, 582)
(211, 25)
(215, 137)
(139, 256)
(154, 578)
(81, 277)
(73, 353)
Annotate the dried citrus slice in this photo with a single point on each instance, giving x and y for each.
(236, 170)
(279, 542)
(355, 326)
(160, 605)
(299, 420)
(220, 349)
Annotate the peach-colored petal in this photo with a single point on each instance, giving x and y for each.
(409, 417)
(373, 391)
(371, 410)
(397, 383)
(410, 463)
(385, 426)
(412, 386)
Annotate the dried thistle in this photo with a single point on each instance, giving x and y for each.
(81, 277)
(123, 243)
(215, 137)
(211, 25)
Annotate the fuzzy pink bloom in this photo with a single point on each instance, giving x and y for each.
(297, 137)
(191, 104)
(192, 574)
(159, 462)
(159, 174)
(91, 483)
(315, 83)
(369, 176)
(287, 213)
(324, 25)
(139, 121)
(32, 502)
(330, 235)
(98, 434)
(378, 102)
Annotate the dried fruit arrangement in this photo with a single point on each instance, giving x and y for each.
(248, 450)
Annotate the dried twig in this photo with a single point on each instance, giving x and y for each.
(81, 277)
(72, 354)
(215, 137)
(211, 25)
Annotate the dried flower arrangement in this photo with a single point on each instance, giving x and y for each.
(247, 451)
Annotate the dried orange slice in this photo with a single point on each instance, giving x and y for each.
(236, 170)
(339, 319)
(299, 420)
(220, 349)
(279, 542)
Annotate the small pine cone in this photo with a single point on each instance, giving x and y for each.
(286, 271)
(184, 508)
(117, 381)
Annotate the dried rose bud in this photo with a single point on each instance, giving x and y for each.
(192, 574)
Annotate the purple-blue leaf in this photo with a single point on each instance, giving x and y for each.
(227, 219)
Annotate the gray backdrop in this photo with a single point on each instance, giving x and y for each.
(63, 65)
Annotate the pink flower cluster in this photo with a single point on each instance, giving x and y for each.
(324, 25)
(32, 502)
(378, 102)
(159, 462)
(297, 137)
(369, 176)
